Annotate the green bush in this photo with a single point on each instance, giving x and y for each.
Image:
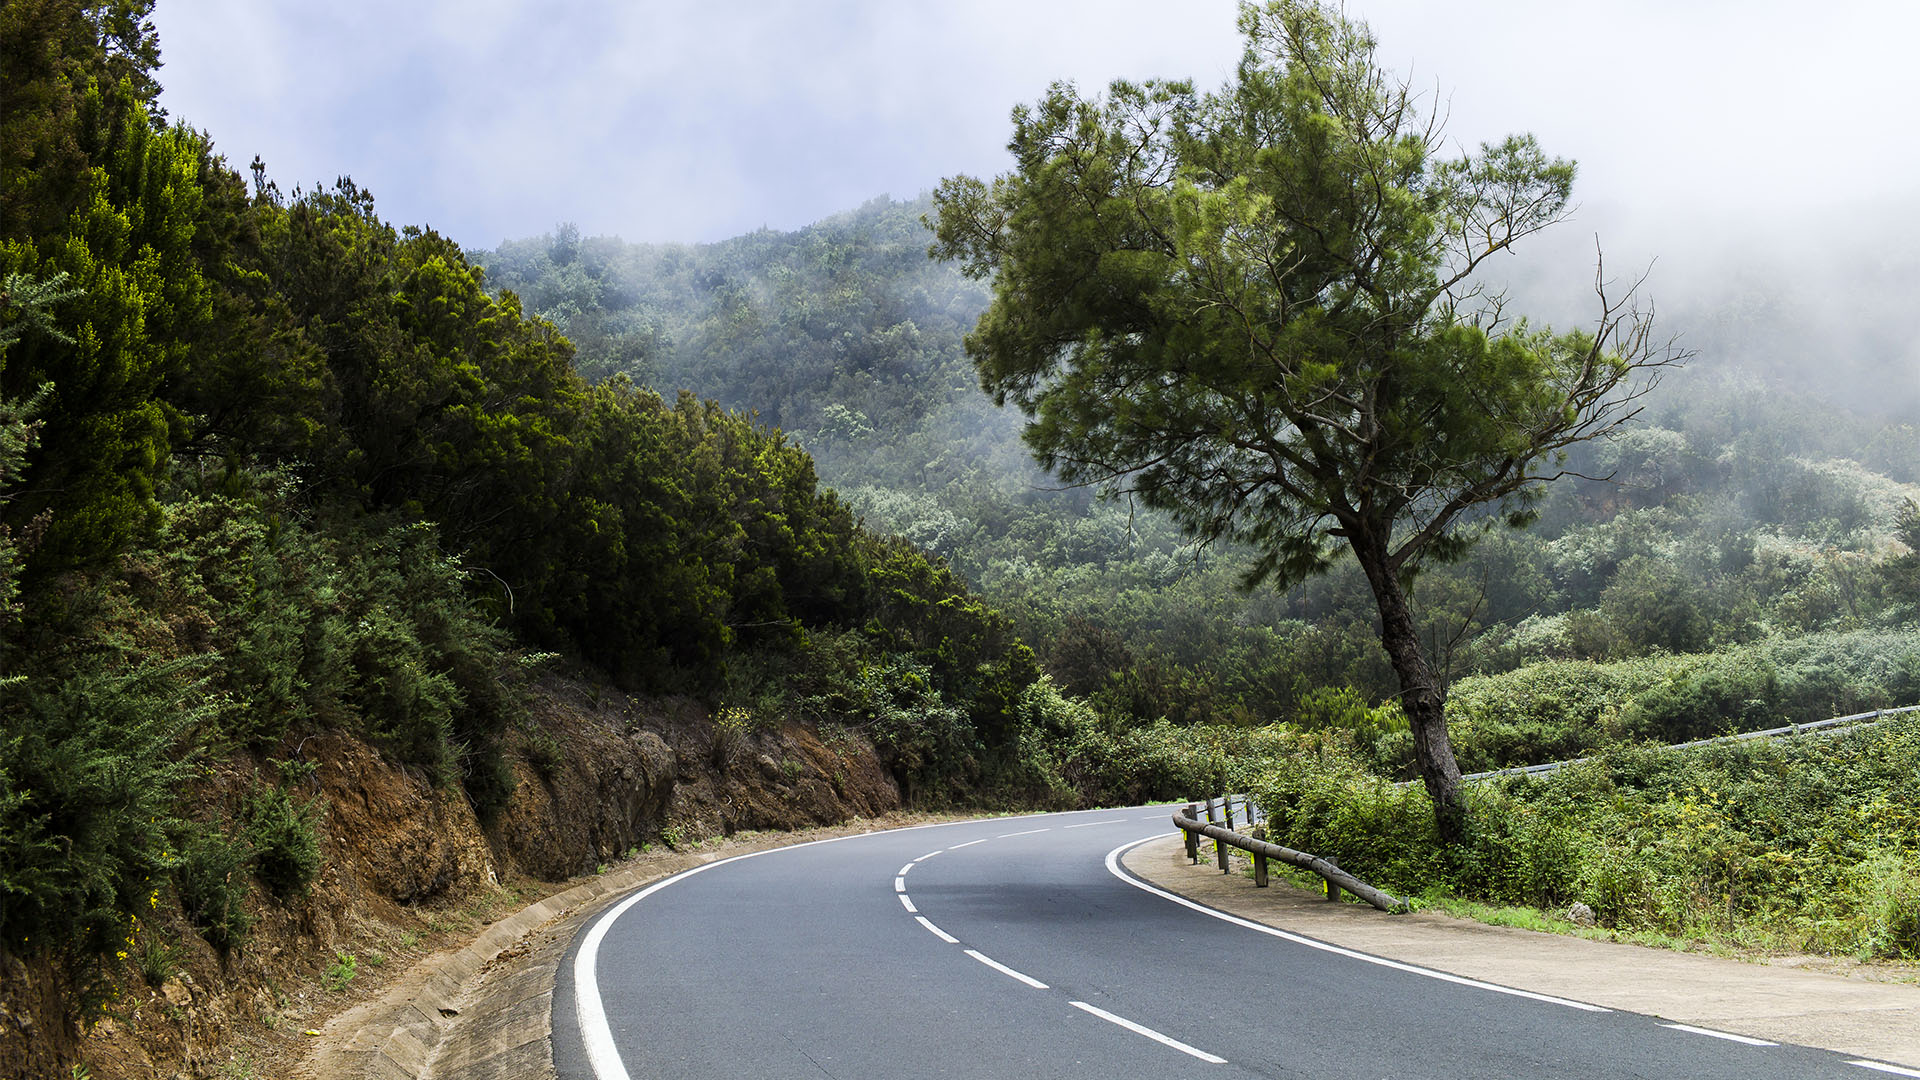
(1561, 709)
(1809, 843)
(1888, 899)
(1702, 696)
(1553, 710)
(212, 882)
(286, 851)
(929, 745)
(90, 768)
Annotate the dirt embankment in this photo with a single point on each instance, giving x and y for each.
(409, 868)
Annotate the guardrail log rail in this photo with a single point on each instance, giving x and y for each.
(1224, 836)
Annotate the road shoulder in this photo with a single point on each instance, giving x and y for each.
(485, 1009)
(1880, 1021)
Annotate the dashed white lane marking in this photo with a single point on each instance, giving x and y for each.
(936, 931)
(1028, 832)
(1142, 1029)
(1005, 970)
(904, 869)
(1877, 1066)
(1712, 1034)
(1113, 867)
(899, 884)
(1084, 824)
(907, 902)
(596, 1035)
(970, 843)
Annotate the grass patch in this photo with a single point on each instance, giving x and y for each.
(342, 971)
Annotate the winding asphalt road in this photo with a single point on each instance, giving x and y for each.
(1018, 947)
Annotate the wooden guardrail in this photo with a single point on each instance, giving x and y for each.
(1224, 836)
(1219, 821)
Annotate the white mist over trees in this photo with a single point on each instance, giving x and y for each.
(1252, 309)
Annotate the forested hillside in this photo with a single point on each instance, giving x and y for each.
(291, 508)
(315, 528)
(1173, 274)
(1733, 514)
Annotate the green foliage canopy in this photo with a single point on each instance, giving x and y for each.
(1254, 309)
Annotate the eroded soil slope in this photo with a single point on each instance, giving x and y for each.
(408, 867)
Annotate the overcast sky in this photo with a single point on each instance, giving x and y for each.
(492, 119)
(1752, 147)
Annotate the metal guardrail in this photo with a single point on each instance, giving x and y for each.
(1818, 727)
(1224, 836)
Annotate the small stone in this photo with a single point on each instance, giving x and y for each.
(1580, 914)
(176, 994)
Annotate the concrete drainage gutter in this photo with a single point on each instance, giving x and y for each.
(485, 1010)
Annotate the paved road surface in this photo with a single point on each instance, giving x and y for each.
(1015, 948)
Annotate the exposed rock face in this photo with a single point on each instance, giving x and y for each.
(33, 1040)
(401, 839)
(599, 774)
(600, 790)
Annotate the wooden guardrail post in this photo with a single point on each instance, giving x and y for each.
(1260, 869)
(1219, 847)
(1333, 891)
(1193, 838)
(1338, 880)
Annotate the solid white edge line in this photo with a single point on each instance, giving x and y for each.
(1113, 867)
(596, 1036)
(1727, 1035)
(1084, 824)
(1005, 970)
(1141, 1029)
(590, 1011)
(936, 931)
(1880, 1066)
(907, 902)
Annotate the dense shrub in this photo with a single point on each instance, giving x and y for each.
(1809, 843)
(90, 770)
(286, 853)
(211, 881)
(1560, 709)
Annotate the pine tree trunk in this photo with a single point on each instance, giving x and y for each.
(1421, 695)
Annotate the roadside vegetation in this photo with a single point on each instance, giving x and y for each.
(1792, 845)
(272, 467)
(1743, 555)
